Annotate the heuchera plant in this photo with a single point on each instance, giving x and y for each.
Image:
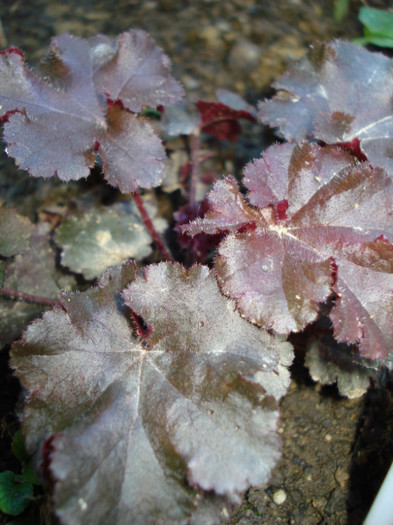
(153, 396)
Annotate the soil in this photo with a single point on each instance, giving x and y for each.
(336, 451)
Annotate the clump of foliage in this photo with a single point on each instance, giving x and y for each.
(153, 395)
(17, 490)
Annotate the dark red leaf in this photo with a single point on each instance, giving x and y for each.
(201, 244)
(337, 235)
(167, 428)
(221, 121)
(78, 101)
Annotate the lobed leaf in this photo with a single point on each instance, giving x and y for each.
(54, 128)
(325, 224)
(145, 428)
(338, 93)
(138, 74)
(104, 237)
(57, 118)
(15, 495)
(132, 155)
(330, 362)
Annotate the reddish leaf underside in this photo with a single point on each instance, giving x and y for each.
(62, 112)
(201, 244)
(221, 121)
(338, 236)
(145, 427)
(338, 93)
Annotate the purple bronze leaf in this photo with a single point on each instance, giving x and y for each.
(138, 74)
(267, 178)
(364, 308)
(141, 428)
(56, 119)
(338, 93)
(326, 226)
(226, 210)
(54, 128)
(211, 355)
(287, 173)
(277, 280)
(132, 154)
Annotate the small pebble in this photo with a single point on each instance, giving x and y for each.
(342, 476)
(190, 82)
(279, 497)
(244, 56)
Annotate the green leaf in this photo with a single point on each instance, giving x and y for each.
(377, 22)
(151, 113)
(104, 237)
(2, 274)
(15, 231)
(18, 446)
(380, 41)
(29, 475)
(340, 9)
(14, 496)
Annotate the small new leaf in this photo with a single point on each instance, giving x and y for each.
(333, 363)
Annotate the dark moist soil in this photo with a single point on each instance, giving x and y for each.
(335, 451)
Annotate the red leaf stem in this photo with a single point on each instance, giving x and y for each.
(150, 228)
(22, 296)
(195, 148)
